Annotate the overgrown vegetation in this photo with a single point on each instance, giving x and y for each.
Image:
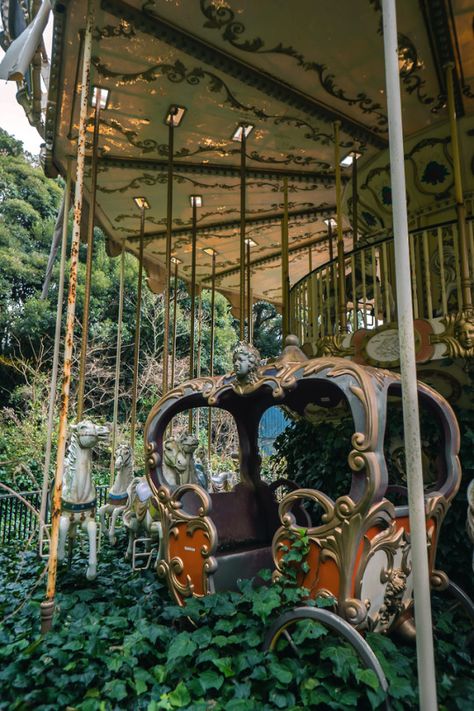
(120, 643)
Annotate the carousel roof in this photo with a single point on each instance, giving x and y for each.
(290, 70)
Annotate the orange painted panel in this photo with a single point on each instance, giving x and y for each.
(187, 546)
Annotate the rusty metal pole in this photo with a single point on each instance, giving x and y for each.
(169, 227)
(411, 419)
(90, 249)
(243, 208)
(47, 606)
(211, 364)
(138, 312)
(57, 343)
(118, 357)
(340, 237)
(458, 190)
(285, 269)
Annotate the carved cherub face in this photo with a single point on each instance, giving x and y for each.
(246, 360)
(464, 332)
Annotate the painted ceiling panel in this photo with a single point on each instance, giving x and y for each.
(290, 69)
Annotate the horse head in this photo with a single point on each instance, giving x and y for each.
(123, 456)
(88, 434)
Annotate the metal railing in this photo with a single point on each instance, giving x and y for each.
(18, 522)
(368, 284)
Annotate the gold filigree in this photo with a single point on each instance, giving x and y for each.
(333, 345)
(176, 523)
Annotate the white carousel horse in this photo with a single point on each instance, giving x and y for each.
(185, 465)
(139, 515)
(78, 501)
(117, 496)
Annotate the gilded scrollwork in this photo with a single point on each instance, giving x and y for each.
(333, 345)
(180, 528)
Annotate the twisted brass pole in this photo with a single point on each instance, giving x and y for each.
(175, 312)
(285, 274)
(249, 296)
(118, 357)
(340, 237)
(90, 249)
(193, 305)
(242, 232)
(136, 347)
(211, 365)
(169, 226)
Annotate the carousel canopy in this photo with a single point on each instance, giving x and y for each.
(289, 70)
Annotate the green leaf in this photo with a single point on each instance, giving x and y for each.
(224, 665)
(210, 680)
(281, 673)
(367, 676)
(179, 698)
(182, 646)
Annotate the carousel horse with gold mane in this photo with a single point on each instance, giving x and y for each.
(78, 500)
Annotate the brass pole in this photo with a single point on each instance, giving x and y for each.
(47, 606)
(136, 346)
(90, 249)
(193, 305)
(310, 259)
(118, 357)
(285, 271)
(340, 237)
(458, 190)
(211, 365)
(175, 312)
(242, 233)
(331, 248)
(355, 200)
(249, 295)
(57, 343)
(199, 348)
(169, 226)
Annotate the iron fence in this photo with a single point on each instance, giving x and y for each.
(18, 521)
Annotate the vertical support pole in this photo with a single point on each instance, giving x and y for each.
(460, 207)
(340, 237)
(285, 269)
(249, 295)
(211, 368)
(243, 156)
(57, 342)
(193, 304)
(118, 358)
(90, 249)
(47, 606)
(442, 278)
(169, 227)
(330, 245)
(411, 422)
(355, 201)
(175, 313)
(136, 347)
(310, 295)
(198, 355)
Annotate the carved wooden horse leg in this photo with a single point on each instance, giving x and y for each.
(64, 524)
(90, 526)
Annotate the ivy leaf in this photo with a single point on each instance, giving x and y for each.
(179, 698)
(182, 646)
(210, 680)
(281, 673)
(368, 676)
(224, 665)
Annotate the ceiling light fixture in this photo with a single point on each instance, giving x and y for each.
(210, 251)
(176, 260)
(142, 203)
(175, 115)
(349, 159)
(250, 242)
(330, 222)
(100, 94)
(242, 128)
(195, 200)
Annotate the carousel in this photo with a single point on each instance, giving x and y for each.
(265, 155)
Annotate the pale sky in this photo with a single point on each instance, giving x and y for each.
(12, 116)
